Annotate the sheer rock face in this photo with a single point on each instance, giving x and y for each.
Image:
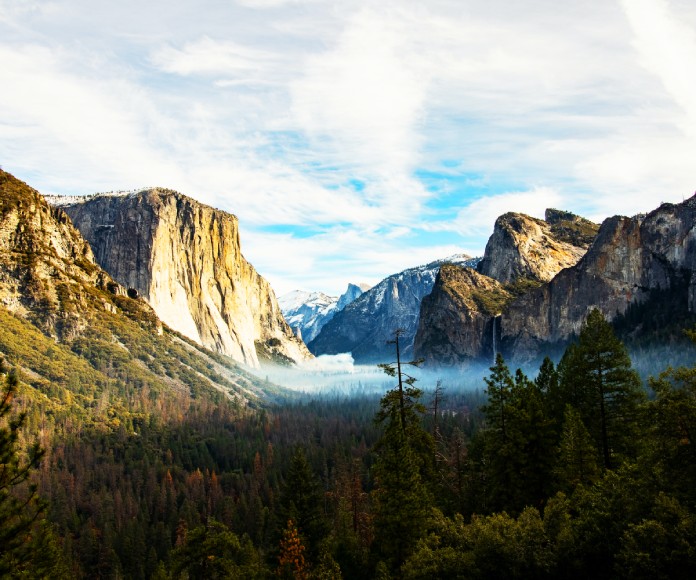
(629, 258)
(185, 259)
(525, 247)
(457, 319)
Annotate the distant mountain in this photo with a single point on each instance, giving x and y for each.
(308, 312)
(365, 325)
(185, 259)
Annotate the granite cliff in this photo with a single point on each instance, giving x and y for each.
(523, 247)
(47, 269)
(631, 260)
(635, 262)
(185, 259)
(457, 322)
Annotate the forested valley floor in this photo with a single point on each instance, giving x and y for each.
(580, 471)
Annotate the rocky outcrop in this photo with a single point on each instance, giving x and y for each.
(629, 259)
(364, 326)
(185, 259)
(47, 269)
(523, 247)
(457, 321)
(352, 293)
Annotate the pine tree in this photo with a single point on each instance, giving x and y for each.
(597, 379)
(404, 467)
(577, 455)
(519, 440)
(20, 505)
(302, 502)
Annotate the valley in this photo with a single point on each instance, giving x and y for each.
(173, 423)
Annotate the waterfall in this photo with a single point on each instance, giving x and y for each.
(495, 318)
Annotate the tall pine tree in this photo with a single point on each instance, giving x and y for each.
(598, 381)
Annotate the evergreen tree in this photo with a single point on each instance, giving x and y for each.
(519, 440)
(405, 452)
(597, 379)
(213, 551)
(577, 456)
(19, 502)
(302, 502)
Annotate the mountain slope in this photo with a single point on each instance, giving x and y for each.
(364, 326)
(308, 312)
(456, 323)
(185, 259)
(85, 346)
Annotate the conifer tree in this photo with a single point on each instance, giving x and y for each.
(577, 455)
(597, 379)
(302, 502)
(405, 454)
(19, 502)
(519, 440)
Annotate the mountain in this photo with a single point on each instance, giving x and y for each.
(308, 312)
(644, 262)
(364, 326)
(637, 270)
(523, 247)
(184, 258)
(457, 320)
(83, 346)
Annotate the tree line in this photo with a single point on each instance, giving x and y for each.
(579, 471)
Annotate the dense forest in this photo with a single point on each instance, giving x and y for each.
(582, 470)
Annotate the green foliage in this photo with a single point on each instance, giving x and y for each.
(213, 551)
(491, 302)
(302, 502)
(597, 379)
(519, 440)
(661, 547)
(577, 455)
(27, 545)
(522, 286)
(405, 463)
(671, 422)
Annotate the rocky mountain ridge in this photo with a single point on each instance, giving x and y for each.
(523, 247)
(458, 317)
(184, 258)
(308, 312)
(364, 326)
(631, 260)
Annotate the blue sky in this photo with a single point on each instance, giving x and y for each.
(355, 138)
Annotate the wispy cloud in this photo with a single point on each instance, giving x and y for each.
(355, 138)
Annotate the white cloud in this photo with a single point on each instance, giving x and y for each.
(207, 56)
(479, 216)
(324, 115)
(365, 95)
(668, 49)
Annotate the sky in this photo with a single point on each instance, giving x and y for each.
(354, 138)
